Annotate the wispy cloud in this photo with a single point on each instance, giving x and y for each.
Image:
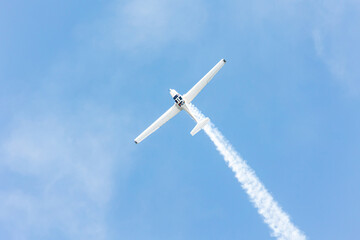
(331, 25)
(64, 165)
(336, 41)
(147, 24)
(64, 140)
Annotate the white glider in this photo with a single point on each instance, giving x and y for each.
(181, 104)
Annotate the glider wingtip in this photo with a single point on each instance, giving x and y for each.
(136, 142)
(224, 60)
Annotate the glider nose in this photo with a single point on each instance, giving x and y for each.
(172, 92)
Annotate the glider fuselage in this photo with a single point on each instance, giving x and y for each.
(180, 102)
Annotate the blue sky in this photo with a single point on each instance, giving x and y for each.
(81, 79)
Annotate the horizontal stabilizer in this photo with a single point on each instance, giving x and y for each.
(200, 125)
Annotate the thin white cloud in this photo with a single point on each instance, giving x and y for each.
(68, 163)
(336, 41)
(332, 25)
(151, 24)
(318, 43)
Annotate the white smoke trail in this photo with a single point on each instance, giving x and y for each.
(272, 213)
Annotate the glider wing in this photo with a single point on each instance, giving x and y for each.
(194, 91)
(158, 123)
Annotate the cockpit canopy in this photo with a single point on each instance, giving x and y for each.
(179, 100)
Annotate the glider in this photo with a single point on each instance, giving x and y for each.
(181, 104)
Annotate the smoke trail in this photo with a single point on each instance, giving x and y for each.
(272, 213)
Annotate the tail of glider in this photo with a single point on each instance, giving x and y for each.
(200, 125)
